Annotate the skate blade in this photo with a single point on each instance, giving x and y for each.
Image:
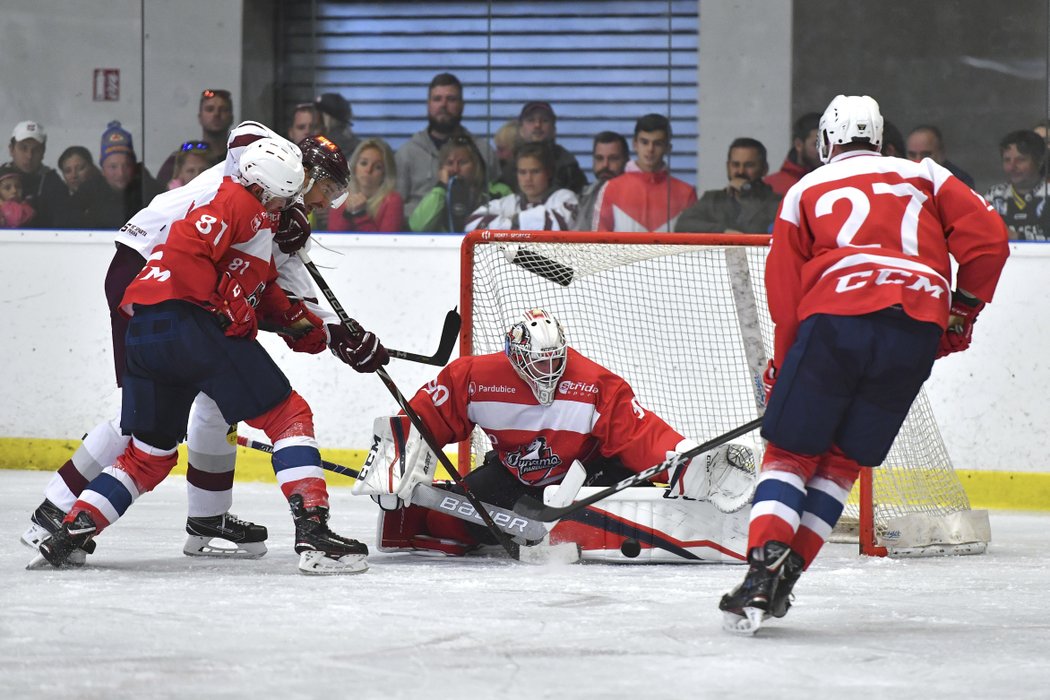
(553, 554)
(314, 563)
(75, 560)
(746, 624)
(197, 546)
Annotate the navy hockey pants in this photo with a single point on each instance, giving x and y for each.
(850, 381)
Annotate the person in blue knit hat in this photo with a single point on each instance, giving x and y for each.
(125, 187)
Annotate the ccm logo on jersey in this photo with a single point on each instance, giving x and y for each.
(888, 275)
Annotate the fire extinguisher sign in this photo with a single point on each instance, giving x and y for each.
(107, 84)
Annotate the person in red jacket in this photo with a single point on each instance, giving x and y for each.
(646, 197)
(859, 286)
(195, 310)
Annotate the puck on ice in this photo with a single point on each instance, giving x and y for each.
(630, 548)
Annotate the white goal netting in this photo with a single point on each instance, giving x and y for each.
(683, 317)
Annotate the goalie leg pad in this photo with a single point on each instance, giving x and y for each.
(399, 459)
(406, 530)
(641, 525)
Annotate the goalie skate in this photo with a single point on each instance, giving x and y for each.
(321, 551)
(45, 521)
(224, 535)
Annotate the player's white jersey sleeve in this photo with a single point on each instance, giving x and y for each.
(150, 226)
(292, 275)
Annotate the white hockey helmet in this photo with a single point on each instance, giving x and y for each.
(276, 166)
(847, 119)
(536, 348)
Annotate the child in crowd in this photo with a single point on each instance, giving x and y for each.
(373, 203)
(14, 210)
(192, 159)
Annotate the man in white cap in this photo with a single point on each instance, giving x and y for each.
(40, 183)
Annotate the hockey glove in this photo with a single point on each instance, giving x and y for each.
(769, 378)
(961, 317)
(362, 352)
(294, 229)
(307, 331)
(235, 312)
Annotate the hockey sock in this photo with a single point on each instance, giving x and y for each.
(212, 451)
(100, 447)
(111, 493)
(826, 495)
(776, 508)
(296, 459)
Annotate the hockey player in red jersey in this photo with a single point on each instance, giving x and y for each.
(211, 529)
(859, 286)
(542, 405)
(195, 310)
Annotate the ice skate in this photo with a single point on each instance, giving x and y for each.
(45, 521)
(320, 550)
(781, 601)
(748, 605)
(56, 549)
(224, 535)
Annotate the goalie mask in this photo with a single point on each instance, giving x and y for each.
(846, 120)
(536, 349)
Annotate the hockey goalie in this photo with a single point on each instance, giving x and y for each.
(561, 426)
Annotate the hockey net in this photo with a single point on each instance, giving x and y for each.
(683, 317)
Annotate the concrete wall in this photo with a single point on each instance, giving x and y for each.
(50, 48)
(57, 377)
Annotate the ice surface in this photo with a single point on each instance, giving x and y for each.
(143, 620)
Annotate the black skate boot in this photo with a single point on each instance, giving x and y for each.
(247, 538)
(747, 605)
(320, 550)
(46, 520)
(782, 597)
(56, 549)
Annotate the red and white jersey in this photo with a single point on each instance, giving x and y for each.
(866, 232)
(232, 232)
(640, 201)
(594, 412)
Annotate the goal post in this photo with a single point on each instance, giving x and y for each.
(684, 318)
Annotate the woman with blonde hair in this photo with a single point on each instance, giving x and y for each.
(373, 203)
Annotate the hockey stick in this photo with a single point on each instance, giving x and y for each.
(434, 498)
(351, 325)
(539, 265)
(449, 333)
(531, 508)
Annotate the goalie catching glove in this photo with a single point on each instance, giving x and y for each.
(724, 476)
(399, 459)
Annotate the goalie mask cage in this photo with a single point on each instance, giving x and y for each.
(683, 317)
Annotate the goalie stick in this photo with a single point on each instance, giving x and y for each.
(449, 333)
(532, 508)
(351, 325)
(539, 265)
(434, 498)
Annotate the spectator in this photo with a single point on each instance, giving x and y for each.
(125, 186)
(306, 121)
(802, 158)
(417, 159)
(506, 140)
(192, 159)
(1021, 200)
(336, 121)
(609, 156)
(745, 205)
(40, 184)
(215, 115)
(646, 197)
(925, 141)
(538, 205)
(373, 203)
(78, 169)
(1042, 127)
(537, 124)
(892, 141)
(15, 212)
(462, 186)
